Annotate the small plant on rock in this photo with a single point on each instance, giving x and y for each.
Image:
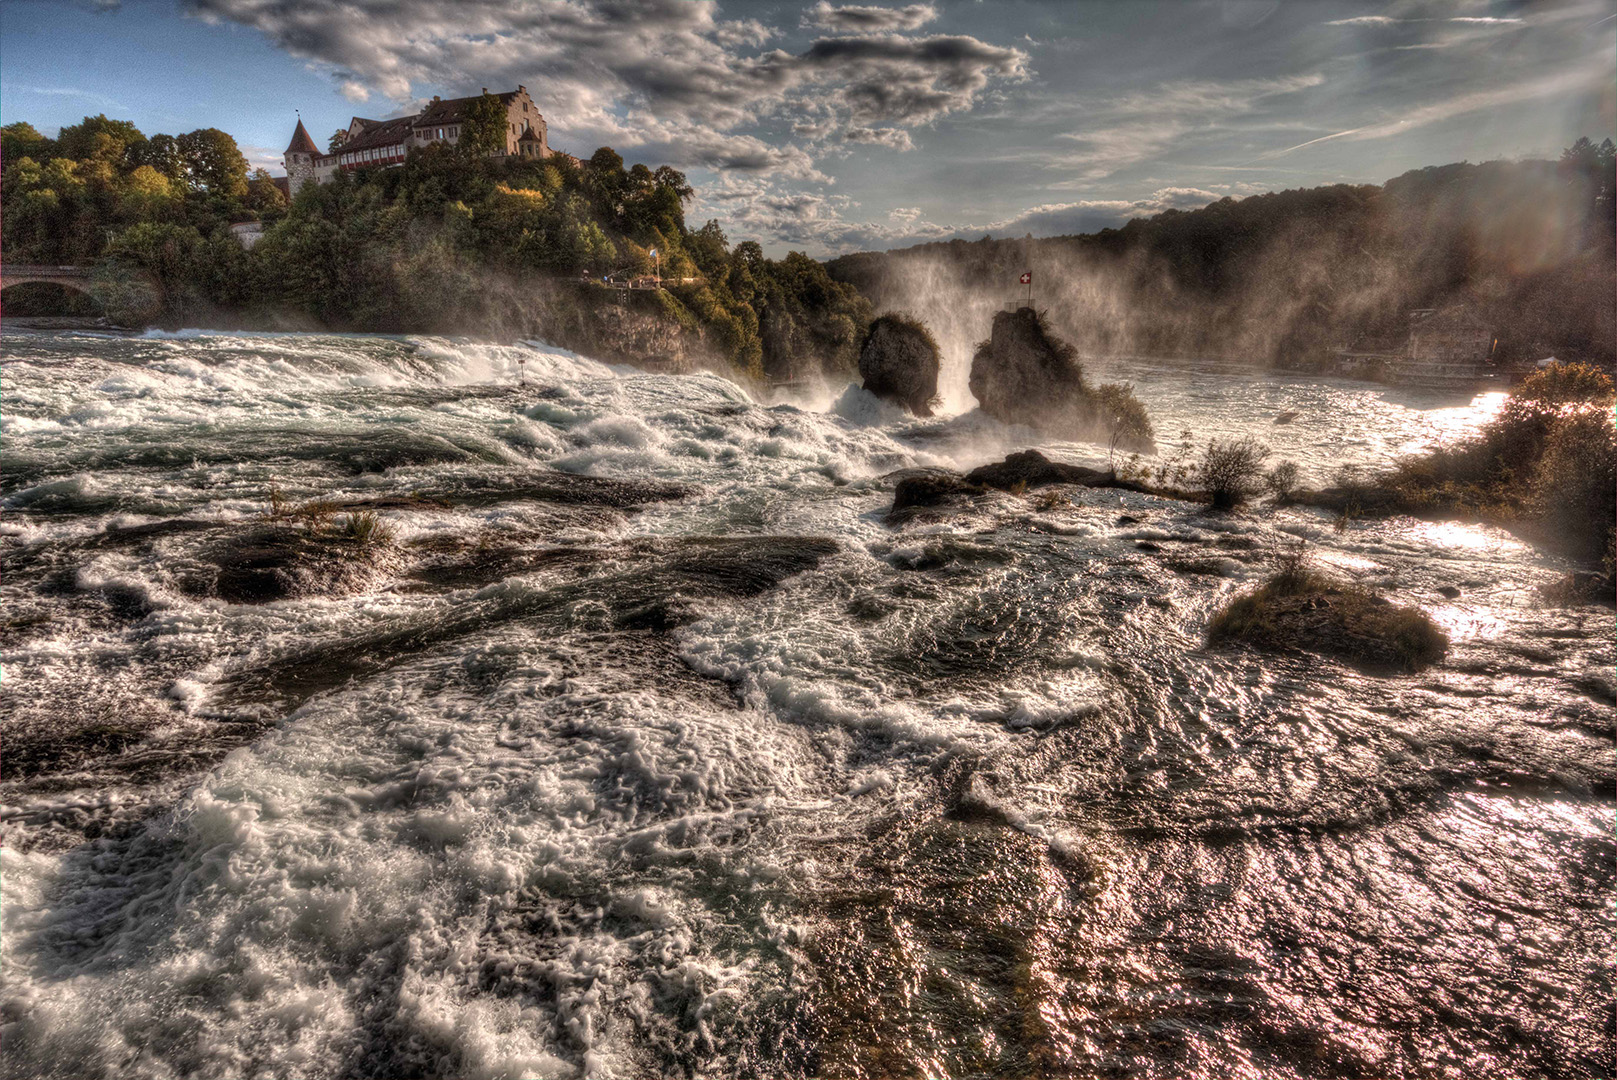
(367, 529)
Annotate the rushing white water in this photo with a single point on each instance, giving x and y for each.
(733, 778)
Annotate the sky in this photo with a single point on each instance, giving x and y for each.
(827, 127)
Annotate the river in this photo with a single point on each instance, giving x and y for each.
(647, 748)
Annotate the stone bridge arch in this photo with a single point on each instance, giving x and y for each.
(70, 277)
(74, 278)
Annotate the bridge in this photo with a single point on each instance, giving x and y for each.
(69, 277)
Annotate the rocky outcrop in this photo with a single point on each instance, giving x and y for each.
(1023, 374)
(900, 361)
(1031, 469)
(919, 492)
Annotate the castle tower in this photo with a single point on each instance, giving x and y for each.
(299, 159)
(532, 143)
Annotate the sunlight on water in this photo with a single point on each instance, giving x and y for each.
(1455, 534)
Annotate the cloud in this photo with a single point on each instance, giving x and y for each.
(640, 73)
(756, 208)
(1139, 126)
(864, 20)
(62, 91)
(262, 157)
(909, 81)
(889, 137)
(1092, 215)
(1559, 82)
(1365, 20)
(355, 91)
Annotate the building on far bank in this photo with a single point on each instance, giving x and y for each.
(1442, 347)
(380, 143)
(1453, 335)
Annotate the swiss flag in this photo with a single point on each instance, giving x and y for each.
(1027, 278)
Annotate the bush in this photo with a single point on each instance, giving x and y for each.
(1281, 481)
(1127, 423)
(1575, 483)
(1230, 470)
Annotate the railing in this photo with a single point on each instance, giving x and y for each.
(41, 270)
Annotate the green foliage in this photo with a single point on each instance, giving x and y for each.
(23, 140)
(453, 241)
(213, 163)
(482, 130)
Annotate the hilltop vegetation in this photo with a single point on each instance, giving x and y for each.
(1285, 277)
(449, 242)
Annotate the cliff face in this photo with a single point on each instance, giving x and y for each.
(626, 328)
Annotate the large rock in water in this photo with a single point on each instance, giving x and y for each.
(1023, 374)
(899, 361)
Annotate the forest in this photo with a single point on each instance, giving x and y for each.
(1284, 278)
(451, 242)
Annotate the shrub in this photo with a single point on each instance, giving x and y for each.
(1127, 424)
(1575, 483)
(1230, 470)
(1281, 481)
(1294, 571)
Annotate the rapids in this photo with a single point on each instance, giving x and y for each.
(682, 762)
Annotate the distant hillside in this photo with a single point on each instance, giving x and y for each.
(1285, 277)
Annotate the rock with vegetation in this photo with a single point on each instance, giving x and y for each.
(308, 552)
(1024, 374)
(900, 361)
(1302, 609)
(1544, 467)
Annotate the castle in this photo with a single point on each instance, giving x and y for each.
(378, 143)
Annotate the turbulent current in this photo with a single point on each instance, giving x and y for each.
(644, 746)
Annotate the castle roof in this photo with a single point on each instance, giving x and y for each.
(529, 135)
(453, 110)
(301, 143)
(380, 133)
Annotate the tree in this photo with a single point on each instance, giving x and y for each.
(147, 194)
(671, 178)
(213, 162)
(21, 140)
(161, 152)
(98, 137)
(482, 131)
(338, 137)
(262, 193)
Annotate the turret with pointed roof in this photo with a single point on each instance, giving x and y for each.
(301, 143)
(300, 157)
